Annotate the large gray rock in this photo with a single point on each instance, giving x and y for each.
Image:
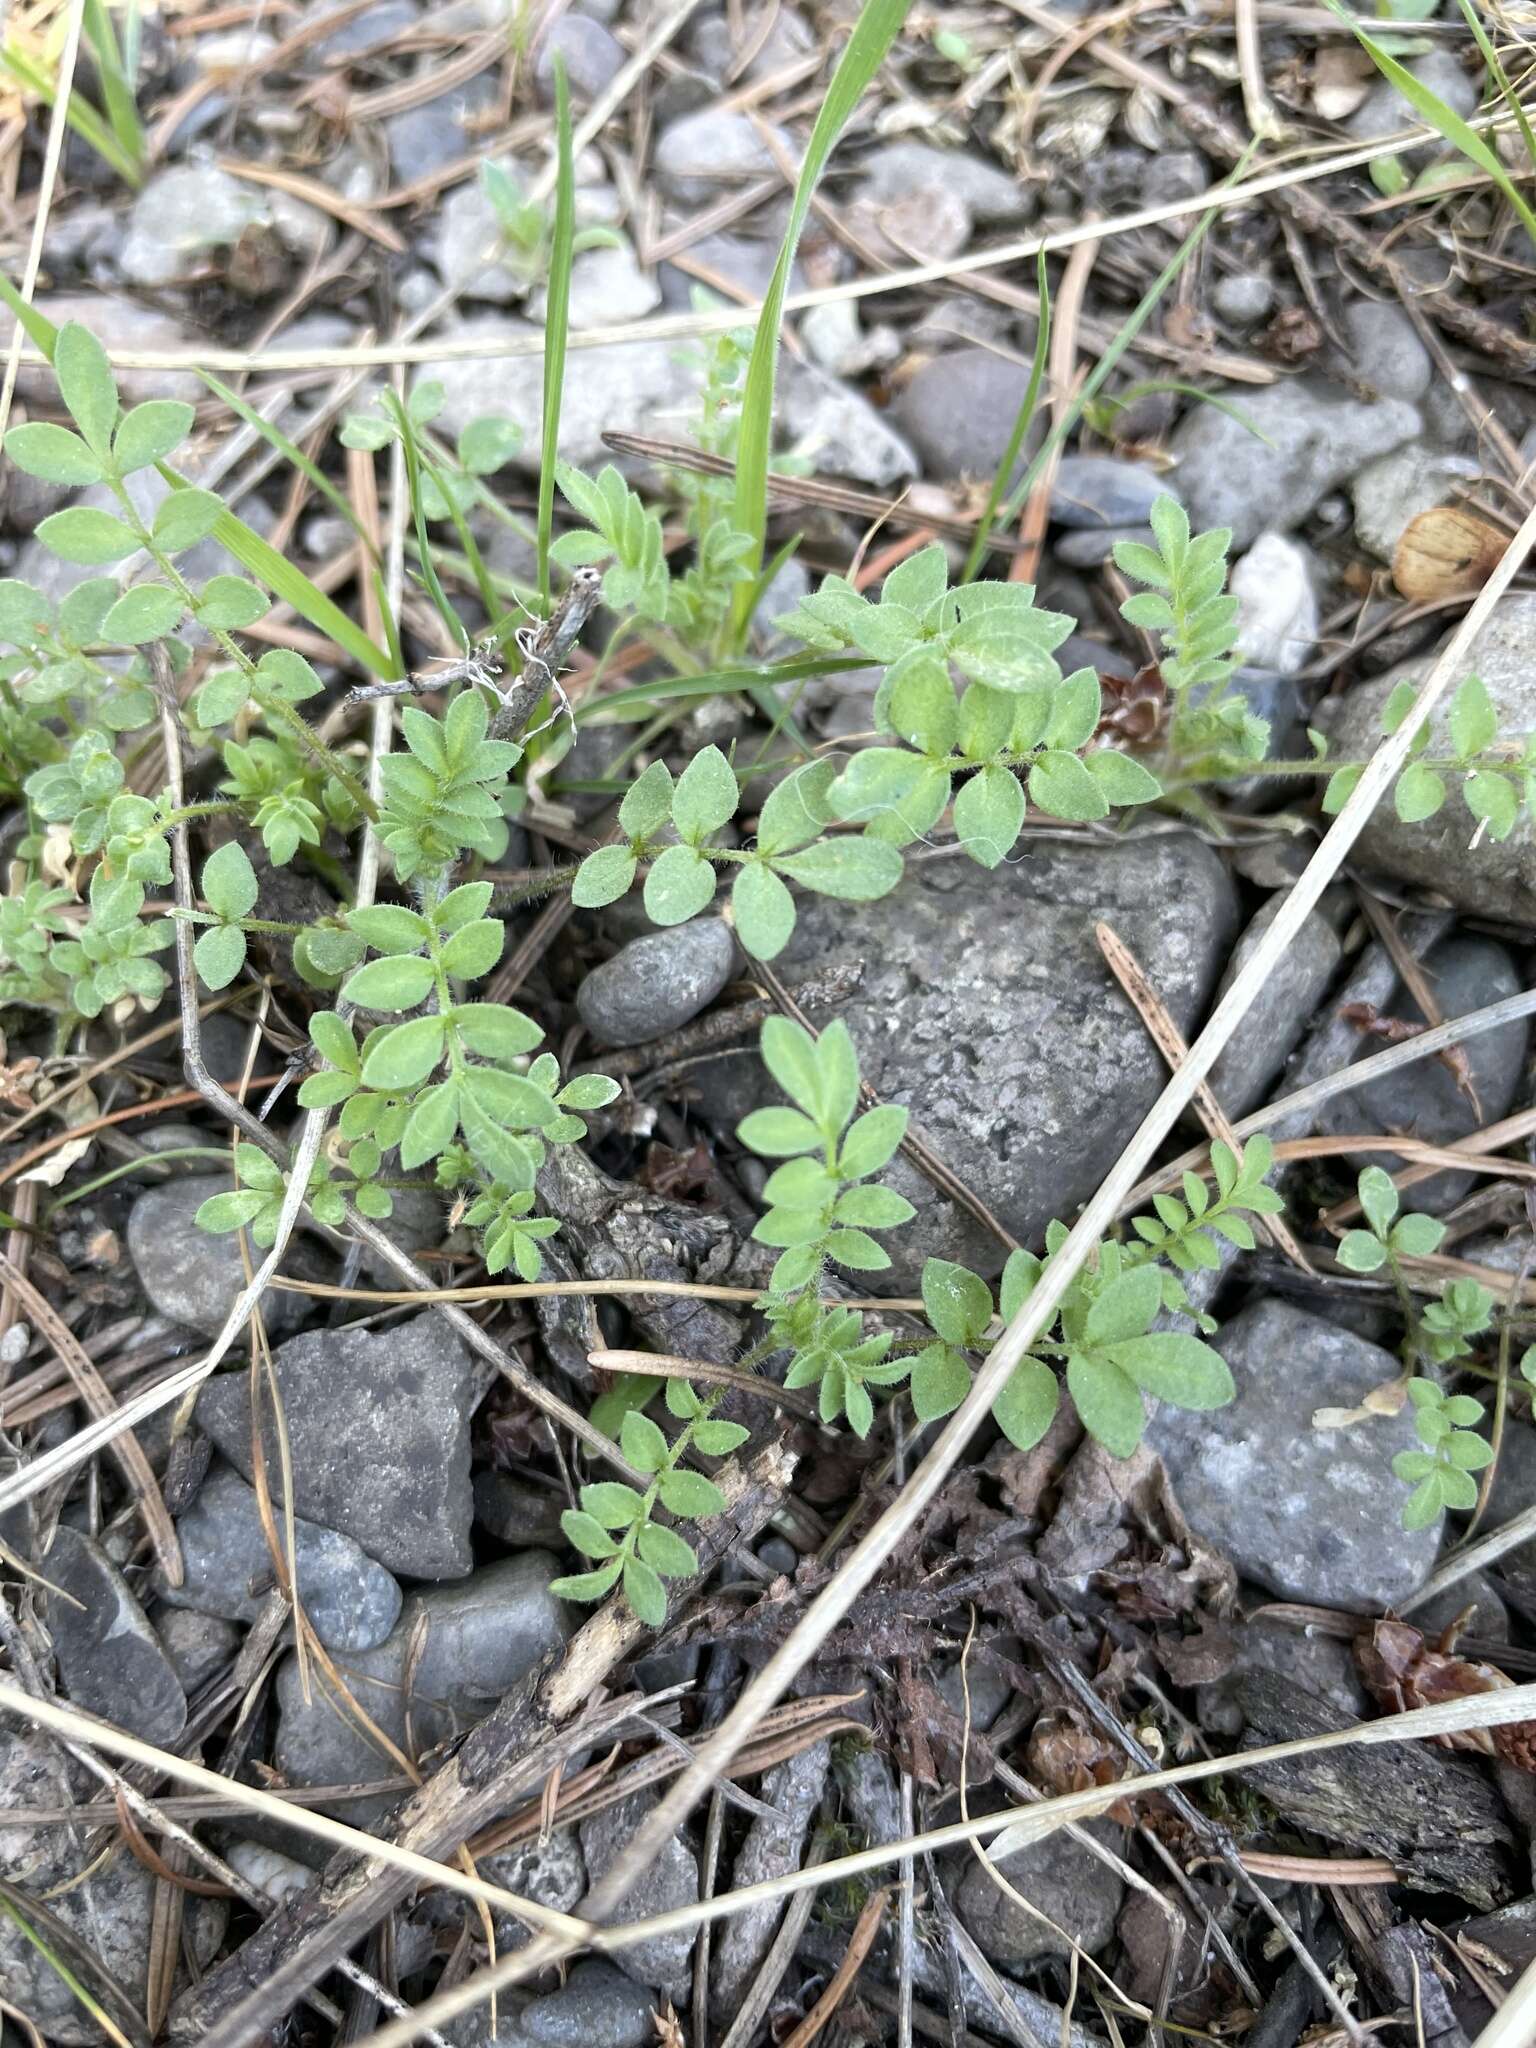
(1424, 1100)
(108, 1910)
(623, 386)
(352, 1602)
(986, 1008)
(1317, 435)
(480, 1638)
(899, 170)
(1314, 1514)
(1497, 877)
(191, 1277)
(378, 1434)
(958, 412)
(198, 1645)
(658, 982)
(1062, 1879)
(1385, 350)
(109, 1657)
(1266, 1036)
(664, 1961)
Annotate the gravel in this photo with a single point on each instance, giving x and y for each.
(1278, 618)
(711, 154)
(190, 1277)
(1256, 1053)
(1394, 489)
(1060, 1878)
(663, 1961)
(1097, 491)
(958, 412)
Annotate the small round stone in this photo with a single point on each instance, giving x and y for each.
(657, 983)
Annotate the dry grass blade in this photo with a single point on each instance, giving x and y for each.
(860, 1942)
(1486, 1710)
(97, 1396)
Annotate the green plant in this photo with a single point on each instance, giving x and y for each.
(1464, 1310)
(1441, 1473)
(116, 134)
(615, 1524)
(793, 843)
(527, 229)
(1497, 776)
(1010, 722)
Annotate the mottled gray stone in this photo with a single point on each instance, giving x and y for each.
(1423, 1100)
(439, 132)
(987, 1010)
(623, 385)
(191, 1277)
(704, 156)
(958, 412)
(1396, 488)
(658, 982)
(549, 1871)
(190, 210)
(198, 1645)
(352, 1602)
(378, 1433)
(1319, 437)
(1313, 1514)
(1060, 1878)
(1265, 1038)
(109, 1657)
(1098, 491)
(839, 432)
(481, 1637)
(663, 1961)
(108, 1911)
(772, 1848)
(1317, 1663)
(1496, 877)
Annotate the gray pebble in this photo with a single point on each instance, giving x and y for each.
(656, 983)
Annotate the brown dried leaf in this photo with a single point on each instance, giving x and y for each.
(1444, 552)
(1402, 1672)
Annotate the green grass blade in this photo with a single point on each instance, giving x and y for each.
(1500, 78)
(289, 450)
(413, 473)
(557, 321)
(1443, 119)
(1021, 422)
(37, 327)
(21, 1918)
(876, 29)
(79, 113)
(116, 85)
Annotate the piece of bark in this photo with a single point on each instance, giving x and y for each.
(1435, 1816)
(501, 1762)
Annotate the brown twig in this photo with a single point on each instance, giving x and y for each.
(860, 1942)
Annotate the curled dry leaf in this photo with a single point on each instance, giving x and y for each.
(1444, 552)
(1403, 1670)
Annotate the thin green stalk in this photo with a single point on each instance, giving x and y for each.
(105, 1180)
(557, 322)
(434, 588)
(1500, 77)
(1022, 418)
(79, 113)
(877, 27)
